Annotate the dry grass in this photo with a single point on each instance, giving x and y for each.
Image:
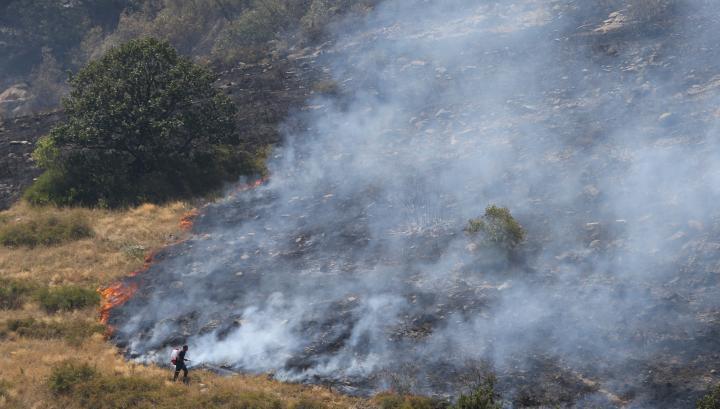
(120, 240)
(27, 362)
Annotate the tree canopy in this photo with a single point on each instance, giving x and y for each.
(143, 124)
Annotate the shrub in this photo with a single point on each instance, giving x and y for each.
(497, 227)
(67, 298)
(711, 400)
(13, 293)
(143, 124)
(4, 388)
(45, 230)
(483, 397)
(68, 374)
(74, 331)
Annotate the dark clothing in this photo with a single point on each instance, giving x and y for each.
(180, 366)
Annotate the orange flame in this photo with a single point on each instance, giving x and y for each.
(115, 296)
(120, 292)
(186, 223)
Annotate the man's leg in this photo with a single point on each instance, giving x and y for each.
(185, 375)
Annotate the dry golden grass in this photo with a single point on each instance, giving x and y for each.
(121, 238)
(26, 363)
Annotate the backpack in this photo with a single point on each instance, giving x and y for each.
(174, 355)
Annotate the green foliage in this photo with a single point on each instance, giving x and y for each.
(497, 227)
(45, 230)
(483, 397)
(68, 374)
(144, 124)
(67, 298)
(711, 400)
(74, 331)
(13, 293)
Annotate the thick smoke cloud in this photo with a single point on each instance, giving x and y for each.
(351, 266)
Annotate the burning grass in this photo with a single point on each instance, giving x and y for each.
(47, 318)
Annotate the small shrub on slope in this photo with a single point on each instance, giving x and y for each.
(711, 400)
(497, 227)
(13, 293)
(66, 375)
(45, 230)
(483, 397)
(67, 298)
(73, 331)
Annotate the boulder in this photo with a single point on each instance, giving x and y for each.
(14, 100)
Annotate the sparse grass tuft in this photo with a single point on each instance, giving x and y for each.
(67, 298)
(45, 230)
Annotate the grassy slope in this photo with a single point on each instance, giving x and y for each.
(26, 362)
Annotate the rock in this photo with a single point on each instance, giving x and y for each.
(14, 100)
(614, 22)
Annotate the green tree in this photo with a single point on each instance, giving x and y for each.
(143, 124)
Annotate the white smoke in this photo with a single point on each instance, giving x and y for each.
(602, 145)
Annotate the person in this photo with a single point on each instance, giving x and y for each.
(180, 365)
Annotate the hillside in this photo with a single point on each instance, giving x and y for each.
(514, 199)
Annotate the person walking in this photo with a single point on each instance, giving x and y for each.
(180, 365)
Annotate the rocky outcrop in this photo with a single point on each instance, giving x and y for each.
(17, 141)
(14, 101)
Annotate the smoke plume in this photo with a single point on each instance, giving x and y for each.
(350, 265)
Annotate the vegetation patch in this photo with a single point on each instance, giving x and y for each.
(483, 397)
(14, 293)
(73, 331)
(496, 227)
(67, 298)
(81, 386)
(711, 400)
(45, 230)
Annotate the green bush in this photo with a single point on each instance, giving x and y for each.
(45, 230)
(13, 293)
(483, 397)
(67, 298)
(497, 227)
(68, 374)
(74, 331)
(711, 400)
